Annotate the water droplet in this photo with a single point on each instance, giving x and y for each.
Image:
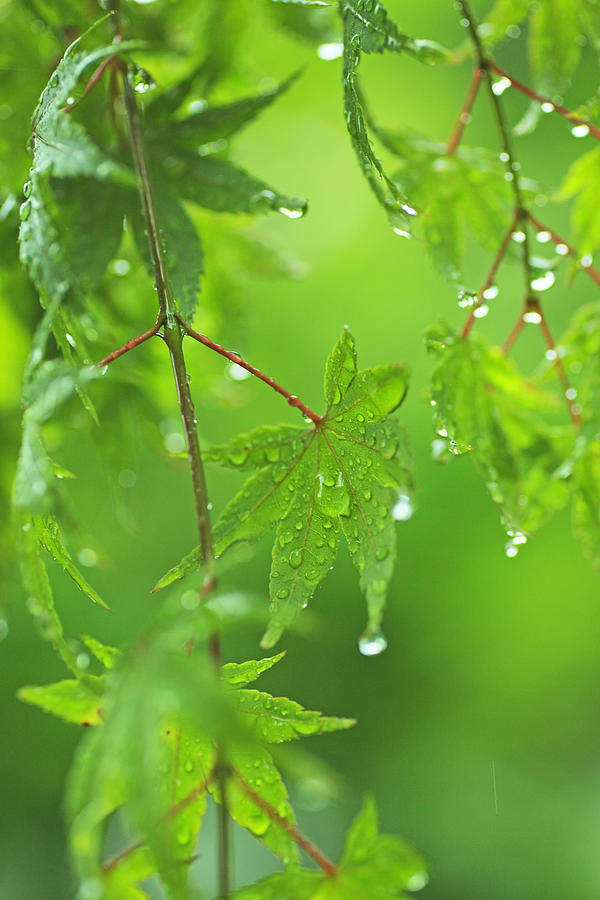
(294, 212)
(498, 87)
(88, 557)
(104, 370)
(403, 508)
(516, 540)
(175, 442)
(418, 880)
(585, 261)
(481, 311)
(570, 393)
(490, 293)
(140, 79)
(238, 373)
(518, 237)
(508, 176)
(551, 354)
(532, 317)
(330, 51)
(409, 210)
(543, 282)
(542, 237)
(27, 188)
(503, 157)
(25, 210)
(372, 643)
(189, 765)
(70, 101)
(547, 107)
(295, 558)
(580, 131)
(561, 249)
(466, 299)
(120, 266)
(83, 660)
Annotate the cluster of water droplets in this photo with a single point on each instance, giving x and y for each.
(515, 541)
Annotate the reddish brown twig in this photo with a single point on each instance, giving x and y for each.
(92, 82)
(533, 95)
(234, 358)
(464, 116)
(492, 272)
(134, 342)
(301, 840)
(556, 239)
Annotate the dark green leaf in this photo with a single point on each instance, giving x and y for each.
(239, 674)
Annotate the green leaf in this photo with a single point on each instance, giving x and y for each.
(503, 15)
(277, 719)
(40, 599)
(212, 123)
(50, 537)
(191, 562)
(239, 674)
(72, 701)
(253, 766)
(48, 388)
(484, 405)
(108, 656)
(582, 181)
(586, 500)
(554, 48)
(367, 29)
(346, 472)
(373, 867)
(181, 244)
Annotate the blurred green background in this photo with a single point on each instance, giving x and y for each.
(493, 664)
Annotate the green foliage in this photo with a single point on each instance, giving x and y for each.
(372, 865)
(581, 182)
(72, 701)
(344, 473)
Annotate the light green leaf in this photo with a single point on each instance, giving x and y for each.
(586, 500)
(255, 768)
(50, 537)
(503, 15)
(277, 719)
(346, 471)
(582, 182)
(239, 674)
(108, 656)
(191, 562)
(484, 405)
(554, 48)
(367, 29)
(72, 701)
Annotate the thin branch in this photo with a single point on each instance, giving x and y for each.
(234, 358)
(556, 107)
(134, 342)
(556, 239)
(301, 840)
(512, 175)
(464, 116)
(491, 274)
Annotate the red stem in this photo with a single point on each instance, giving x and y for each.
(234, 358)
(492, 273)
(328, 867)
(134, 342)
(464, 115)
(556, 239)
(561, 110)
(574, 409)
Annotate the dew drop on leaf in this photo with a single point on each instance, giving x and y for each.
(295, 559)
(372, 643)
(498, 87)
(25, 210)
(403, 509)
(27, 188)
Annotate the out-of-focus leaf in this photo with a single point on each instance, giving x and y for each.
(554, 48)
(586, 500)
(108, 656)
(484, 405)
(503, 15)
(582, 182)
(346, 473)
(72, 701)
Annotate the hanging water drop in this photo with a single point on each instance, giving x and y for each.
(27, 188)
(25, 210)
(580, 131)
(140, 79)
(481, 311)
(543, 282)
(532, 317)
(547, 107)
(498, 87)
(372, 643)
(403, 508)
(330, 51)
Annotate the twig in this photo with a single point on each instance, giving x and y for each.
(233, 357)
(134, 342)
(533, 95)
(464, 116)
(593, 273)
(92, 82)
(301, 840)
(491, 274)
